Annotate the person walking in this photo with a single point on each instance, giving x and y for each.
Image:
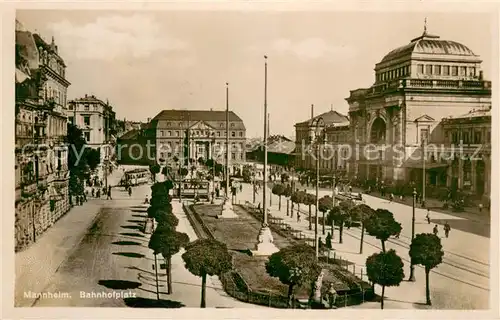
(98, 194)
(109, 194)
(428, 217)
(93, 193)
(146, 201)
(241, 187)
(298, 216)
(435, 230)
(480, 207)
(447, 229)
(129, 191)
(391, 197)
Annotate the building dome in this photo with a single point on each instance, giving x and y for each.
(429, 44)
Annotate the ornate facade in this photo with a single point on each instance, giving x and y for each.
(417, 87)
(203, 131)
(41, 170)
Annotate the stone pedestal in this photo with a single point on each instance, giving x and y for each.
(227, 210)
(265, 246)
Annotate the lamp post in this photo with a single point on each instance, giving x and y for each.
(317, 139)
(265, 245)
(227, 207)
(424, 176)
(412, 268)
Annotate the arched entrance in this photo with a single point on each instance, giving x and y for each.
(480, 165)
(377, 132)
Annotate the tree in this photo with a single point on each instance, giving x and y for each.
(339, 215)
(293, 266)
(382, 225)
(207, 257)
(426, 250)
(308, 200)
(363, 212)
(279, 190)
(385, 269)
(168, 242)
(93, 157)
(325, 204)
(154, 169)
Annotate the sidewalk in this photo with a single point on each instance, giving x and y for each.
(36, 265)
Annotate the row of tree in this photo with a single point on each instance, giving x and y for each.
(384, 268)
(82, 160)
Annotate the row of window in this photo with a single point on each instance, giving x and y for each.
(199, 133)
(50, 61)
(445, 70)
(470, 136)
(393, 74)
(86, 107)
(51, 93)
(221, 124)
(234, 155)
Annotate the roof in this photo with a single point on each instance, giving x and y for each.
(329, 117)
(429, 44)
(281, 146)
(49, 47)
(473, 114)
(88, 98)
(132, 134)
(26, 49)
(196, 115)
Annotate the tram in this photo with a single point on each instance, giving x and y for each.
(136, 177)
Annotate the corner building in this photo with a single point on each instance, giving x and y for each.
(417, 87)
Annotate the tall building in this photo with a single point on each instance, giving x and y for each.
(41, 169)
(305, 152)
(194, 134)
(96, 119)
(417, 88)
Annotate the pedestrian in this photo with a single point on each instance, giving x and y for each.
(98, 194)
(298, 216)
(109, 194)
(397, 234)
(428, 217)
(146, 201)
(93, 193)
(258, 207)
(480, 207)
(391, 197)
(241, 187)
(435, 230)
(129, 191)
(85, 195)
(447, 229)
(350, 189)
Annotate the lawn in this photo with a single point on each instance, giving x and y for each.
(240, 235)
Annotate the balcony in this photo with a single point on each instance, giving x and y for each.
(468, 85)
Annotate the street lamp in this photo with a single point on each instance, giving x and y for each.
(227, 207)
(317, 137)
(424, 176)
(265, 245)
(412, 268)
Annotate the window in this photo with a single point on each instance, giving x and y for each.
(233, 134)
(177, 133)
(162, 155)
(218, 133)
(70, 106)
(463, 71)
(424, 135)
(87, 108)
(232, 125)
(472, 72)
(446, 70)
(477, 137)
(488, 137)
(169, 133)
(420, 68)
(437, 70)
(233, 156)
(454, 71)
(87, 136)
(428, 69)
(71, 120)
(86, 120)
(96, 108)
(162, 133)
(241, 133)
(221, 125)
(168, 124)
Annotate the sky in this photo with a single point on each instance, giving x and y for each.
(147, 61)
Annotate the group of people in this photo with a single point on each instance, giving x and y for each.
(435, 231)
(96, 192)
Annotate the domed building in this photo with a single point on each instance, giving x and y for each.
(417, 87)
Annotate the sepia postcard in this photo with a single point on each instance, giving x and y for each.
(252, 159)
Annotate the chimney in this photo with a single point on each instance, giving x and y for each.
(312, 111)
